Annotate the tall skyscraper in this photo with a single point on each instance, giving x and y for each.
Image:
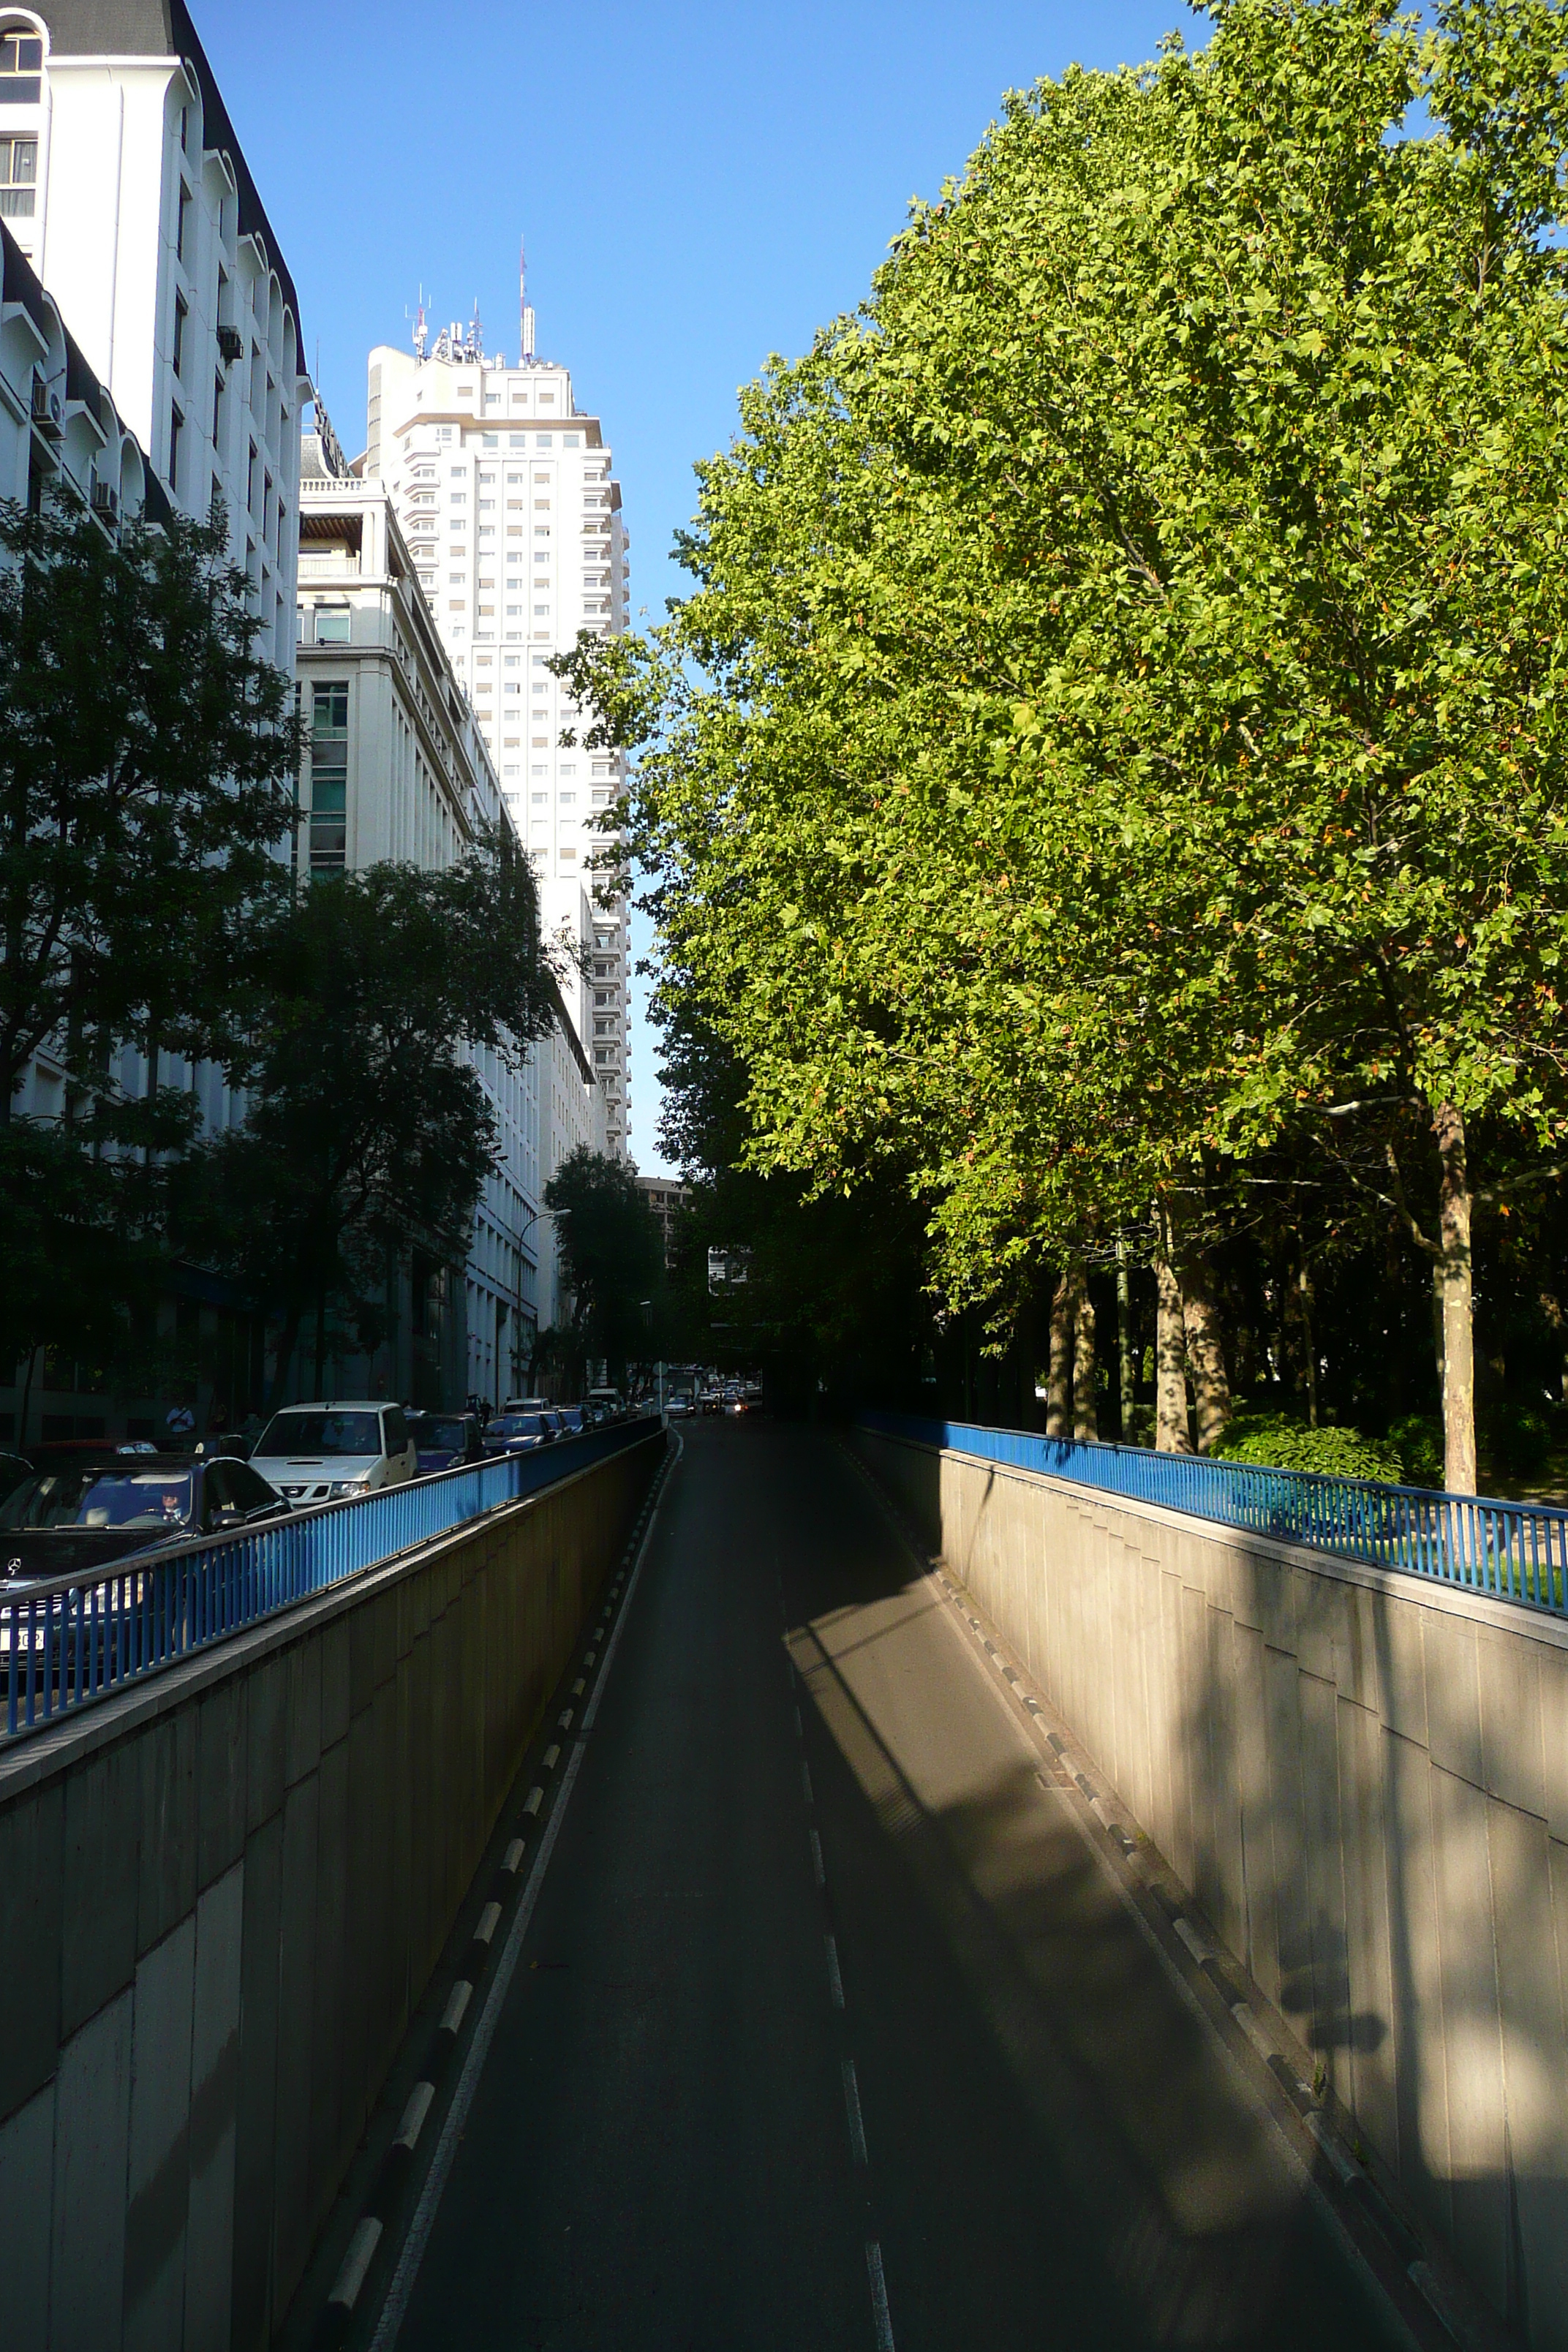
(507, 497)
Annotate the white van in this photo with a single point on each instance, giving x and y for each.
(321, 1453)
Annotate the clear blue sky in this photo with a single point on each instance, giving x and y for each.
(699, 185)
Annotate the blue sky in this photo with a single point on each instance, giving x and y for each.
(699, 185)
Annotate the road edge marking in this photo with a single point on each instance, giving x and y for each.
(411, 2253)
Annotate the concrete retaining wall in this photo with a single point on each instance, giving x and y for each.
(1362, 1779)
(221, 1896)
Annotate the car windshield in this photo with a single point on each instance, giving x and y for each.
(571, 1417)
(101, 1498)
(447, 1434)
(320, 1432)
(517, 1424)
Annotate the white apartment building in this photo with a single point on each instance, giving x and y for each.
(59, 430)
(124, 185)
(397, 768)
(181, 376)
(507, 497)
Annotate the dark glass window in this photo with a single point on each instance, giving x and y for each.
(176, 427)
(21, 66)
(328, 778)
(181, 314)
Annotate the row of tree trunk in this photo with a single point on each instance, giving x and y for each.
(1189, 1346)
(1189, 1343)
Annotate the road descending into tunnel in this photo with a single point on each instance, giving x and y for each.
(830, 2028)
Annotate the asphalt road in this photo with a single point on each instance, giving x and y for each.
(829, 2029)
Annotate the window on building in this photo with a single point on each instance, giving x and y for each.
(218, 411)
(250, 481)
(329, 776)
(184, 206)
(21, 67)
(176, 427)
(332, 624)
(18, 178)
(181, 314)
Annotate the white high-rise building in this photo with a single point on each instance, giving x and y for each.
(396, 768)
(122, 181)
(507, 497)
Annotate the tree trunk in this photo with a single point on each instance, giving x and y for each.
(1308, 1342)
(1205, 1344)
(286, 1347)
(1171, 1432)
(1125, 1341)
(1085, 1411)
(1058, 1381)
(321, 1342)
(1459, 1332)
(33, 1356)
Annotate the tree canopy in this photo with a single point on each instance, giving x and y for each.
(1116, 731)
(368, 1132)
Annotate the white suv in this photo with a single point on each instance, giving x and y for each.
(321, 1453)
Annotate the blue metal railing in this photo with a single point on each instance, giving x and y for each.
(1518, 1551)
(69, 1640)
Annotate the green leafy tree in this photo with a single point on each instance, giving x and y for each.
(368, 1132)
(1115, 731)
(612, 1257)
(146, 785)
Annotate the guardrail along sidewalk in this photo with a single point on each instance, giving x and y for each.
(1517, 1551)
(69, 1640)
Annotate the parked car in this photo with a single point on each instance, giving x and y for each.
(71, 1517)
(443, 1440)
(518, 1433)
(321, 1453)
(572, 1420)
(608, 1403)
(525, 1404)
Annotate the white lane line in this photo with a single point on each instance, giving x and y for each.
(806, 1783)
(799, 1727)
(456, 2008)
(857, 2121)
(834, 1981)
(412, 2253)
(820, 1874)
(880, 2315)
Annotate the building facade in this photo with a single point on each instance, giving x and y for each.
(131, 196)
(181, 377)
(397, 768)
(508, 499)
(666, 1197)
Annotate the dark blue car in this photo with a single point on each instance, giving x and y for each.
(518, 1433)
(443, 1440)
(76, 1516)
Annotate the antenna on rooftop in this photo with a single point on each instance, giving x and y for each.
(527, 320)
(421, 333)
